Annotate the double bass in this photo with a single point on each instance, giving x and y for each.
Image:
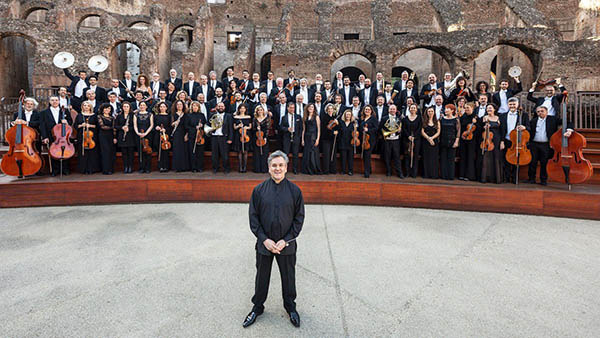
(568, 165)
(22, 159)
(518, 154)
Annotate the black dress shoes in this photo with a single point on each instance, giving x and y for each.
(295, 318)
(250, 318)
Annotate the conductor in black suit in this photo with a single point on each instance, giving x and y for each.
(276, 215)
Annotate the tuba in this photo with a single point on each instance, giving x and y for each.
(391, 126)
(215, 122)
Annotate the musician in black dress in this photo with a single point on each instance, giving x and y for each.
(450, 134)
(143, 123)
(125, 136)
(171, 92)
(242, 123)
(411, 139)
(179, 137)
(431, 146)
(291, 130)
(329, 138)
(467, 149)
(195, 129)
(311, 133)
(491, 168)
(347, 150)
(88, 157)
(483, 88)
(368, 126)
(261, 123)
(162, 124)
(461, 90)
(107, 138)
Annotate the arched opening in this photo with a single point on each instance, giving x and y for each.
(125, 56)
(224, 74)
(89, 23)
(17, 57)
(265, 65)
(37, 15)
(498, 60)
(422, 62)
(141, 25)
(397, 74)
(354, 65)
(181, 40)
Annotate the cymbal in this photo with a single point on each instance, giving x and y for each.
(63, 60)
(98, 63)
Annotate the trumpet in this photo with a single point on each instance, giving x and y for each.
(391, 126)
(215, 122)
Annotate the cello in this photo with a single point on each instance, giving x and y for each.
(518, 154)
(62, 148)
(568, 165)
(22, 159)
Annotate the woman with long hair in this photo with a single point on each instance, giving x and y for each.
(431, 150)
(491, 167)
(411, 138)
(162, 122)
(125, 136)
(261, 123)
(106, 138)
(450, 128)
(311, 133)
(179, 137)
(368, 126)
(242, 123)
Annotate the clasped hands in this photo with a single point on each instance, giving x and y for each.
(274, 247)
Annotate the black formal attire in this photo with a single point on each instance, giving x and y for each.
(48, 121)
(412, 128)
(368, 96)
(126, 142)
(345, 147)
(177, 82)
(89, 159)
(497, 99)
(509, 169)
(310, 155)
(541, 130)
(468, 149)
(76, 100)
(132, 86)
(106, 136)
(180, 146)
(261, 154)
(449, 129)
(291, 143)
(347, 94)
(143, 124)
(242, 148)
(193, 93)
(491, 168)
(212, 104)
(327, 144)
(164, 121)
(426, 99)
(171, 97)
(100, 92)
(400, 100)
(391, 147)
(196, 154)
(555, 101)
(457, 92)
(219, 145)
(431, 153)
(279, 111)
(214, 84)
(274, 95)
(371, 124)
(209, 92)
(276, 212)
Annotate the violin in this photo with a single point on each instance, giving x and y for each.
(332, 124)
(22, 159)
(355, 141)
(261, 141)
(232, 98)
(244, 138)
(292, 84)
(366, 144)
(487, 144)
(200, 136)
(164, 140)
(146, 145)
(62, 148)
(518, 153)
(568, 165)
(88, 137)
(467, 135)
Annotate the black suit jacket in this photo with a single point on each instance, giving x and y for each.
(48, 122)
(298, 127)
(352, 93)
(314, 87)
(213, 103)
(209, 95)
(552, 125)
(186, 89)
(218, 84)
(427, 87)
(372, 95)
(504, 125)
(404, 95)
(556, 99)
(161, 86)
(75, 80)
(35, 121)
(225, 82)
(273, 95)
(178, 83)
(509, 93)
(101, 96)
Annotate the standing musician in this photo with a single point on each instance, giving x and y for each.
(64, 100)
(179, 137)
(368, 127)
(318, 86)
(128, 85)
(91, 98)
(430, 90)
(311, 134)
(388, 94)
(500, 98)
(469, 124)
(338, 81)
(291, 128)
(450, 134)
(347, 92)
(77, 86)
(191, 87)
(242, 123)
(261, 124)
(346, 127)
(319, 104)
(407, 92)
(213, 82)
(431, 151)
(156, 86)
(379, 83)
(268, 84)
(221, 133)
(143, 85)
(125, 136)
(99, 91)
(195, 122)
(461, 90)
(483, 88)
(391, 128)
(276, 216)
(219, 98)
(356, 107)
(114, 103)
(368, 94)
(107, 138)
(542, 127)
(491, 167)
(254, 88)
(328, 92)
(411, 139)
(551, 101)
(279, 114)
(143, 124)
(306, 93)
(233, 96)
(162, 127)
(400, 85)
(171, 92)
(329, 134)
(515, 118)
(300, 105)
(262, 101)
(177, 82)
(227, 79)
(243, 83)
(482, 103)
(87, 156)
(276, 92)
(238, 100)
(291, 80)
(49, 118)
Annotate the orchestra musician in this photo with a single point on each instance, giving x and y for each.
(191, 87)
(143, 124)
(213, 82)
(430, 91)
(392, 125)
(221, 137)
(228, 78)
(500, 98)
(369, 126)
(468, 149)
(291, 128)
(407, 92)
(49, 118)
(311, 134)
(87, 157)
(242, 124)
(177, 82)
(329, 130)
(551, 100)
(77, 86)
(261, 123)
(125, 136)
(449, 140)
(431, 153)
(348, 93)
(347, 125)
(162, 126)
(143, 86)
(514, 119)
(128, 85)
(491, 167)
(195, 122)
(411, 139)
(179, 137)
(106, 138)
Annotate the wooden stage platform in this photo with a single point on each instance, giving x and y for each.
(553, 200)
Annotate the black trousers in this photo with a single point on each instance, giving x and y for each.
(146, 160)
(287, 270)
(294, 149)
(391, 153)
(412, 171)
(347, 160)
(328, 165)
(447, 157)
(467, 153)
(127, 153)
(540, 151)
(367, 160)
(196, 158)
(66, 168)
(508, 169)
(260, 160)
(220, 150)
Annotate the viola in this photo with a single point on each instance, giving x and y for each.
(487, 144)
(261, 141)
(62, 148)
(467, 135)
(146, 146)
(568, 165)
(332, 124)
(244, 138)
(518, 153)
(164, 140)
(88, 137)
(22, 159)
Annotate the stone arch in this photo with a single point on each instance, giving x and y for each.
(359, 61)
(17, 62)
(342, 48)
(500, 57)
(139, 24)
(88, 23)
(181, 40)
(31, 6)
(36, 14)
(424, 61)
(265, 65)
(125, 55)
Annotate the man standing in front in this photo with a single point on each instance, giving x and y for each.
(276, 216)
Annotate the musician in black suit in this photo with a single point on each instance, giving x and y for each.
(114, 103)
(99, 91)
(49, 118)
(338, 81)
(225, 81)
(368, 95)
(174, 79)
(409, 91)
(213, 82)
(430, 90)
(31, 117)
(515, 118)
(347, 92)
(254, 88)
(221, 138)
(500, 98)
(319, 105)
(318, 86)
(328, 92)
(219, 98)
(307, 93)
(156, 86)
(542, 127)
(291, 79)
(190, 87)
(274, 95)
(551, 101)
(128, 85)
(77, 86)
(400, 85)
(205, 88)
(291, 129)
(267, 85)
